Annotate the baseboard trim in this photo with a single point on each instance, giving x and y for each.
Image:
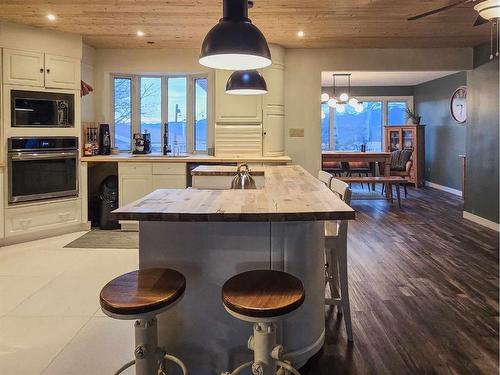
(481, 221)
(443, 188)
(38, 235)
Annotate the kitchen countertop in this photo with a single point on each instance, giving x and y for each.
(223, 170)
(193, 158)
(290, 193)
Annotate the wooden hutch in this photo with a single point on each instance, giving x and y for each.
(408, 137)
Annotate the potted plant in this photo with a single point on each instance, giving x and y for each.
(412, 117)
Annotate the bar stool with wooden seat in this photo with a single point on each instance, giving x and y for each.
(336, 259)
(141, 295)
(263, 297)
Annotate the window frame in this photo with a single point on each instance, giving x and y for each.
(385, 114)
(136, 106)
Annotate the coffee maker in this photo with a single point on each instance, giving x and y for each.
(104, 140)
(142, 143)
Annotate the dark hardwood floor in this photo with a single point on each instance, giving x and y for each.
(424, 292)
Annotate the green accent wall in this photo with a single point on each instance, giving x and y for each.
(482, 142)
(444, 137)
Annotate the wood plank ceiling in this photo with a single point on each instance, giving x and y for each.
(184, 23)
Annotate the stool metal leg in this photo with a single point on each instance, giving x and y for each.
(262, 343)
(267, 355)
(147, 353)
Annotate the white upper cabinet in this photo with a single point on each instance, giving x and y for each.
(38, 69)
(23, 68)
(62, 72)
(235, 108)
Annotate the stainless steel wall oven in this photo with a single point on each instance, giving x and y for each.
(42, 168)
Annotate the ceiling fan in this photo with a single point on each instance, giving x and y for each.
(487, 10)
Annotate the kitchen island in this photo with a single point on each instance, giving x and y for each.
(211, 235)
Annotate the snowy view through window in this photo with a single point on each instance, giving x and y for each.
(150, 103)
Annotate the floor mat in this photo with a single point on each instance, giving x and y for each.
(106, 239)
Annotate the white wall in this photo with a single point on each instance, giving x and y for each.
(87, 69)
(303, 69)
(35, 39)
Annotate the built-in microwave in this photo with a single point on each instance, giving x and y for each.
(40, 109)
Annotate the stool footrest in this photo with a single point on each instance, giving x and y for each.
(177, 361)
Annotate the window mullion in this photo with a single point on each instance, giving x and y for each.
(164, 116)
(331, 121)
(136, 105)
(190, 114)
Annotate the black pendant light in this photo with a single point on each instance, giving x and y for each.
(246, 82)
(235, 43)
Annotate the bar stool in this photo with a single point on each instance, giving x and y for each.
(141, 295)
(263, 297)
(336, 259)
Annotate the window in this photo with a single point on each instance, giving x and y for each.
(122, 108)
(150, 98)
(145, 104)
(177, 119)
(200, 114)
(325, 127)
(353, 129)
(396, 112)
(348, 130)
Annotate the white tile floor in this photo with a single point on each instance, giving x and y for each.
(50, 320)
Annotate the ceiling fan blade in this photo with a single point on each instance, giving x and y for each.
(480, 21)
(431, 12)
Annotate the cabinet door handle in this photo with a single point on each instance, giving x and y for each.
(41, 70)
(48, 71)
(265, 133)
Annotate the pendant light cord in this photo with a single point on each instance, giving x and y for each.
(270, 245)
(491, 40)
(498, 36)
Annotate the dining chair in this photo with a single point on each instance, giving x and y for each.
(336, 259)
(325, 177)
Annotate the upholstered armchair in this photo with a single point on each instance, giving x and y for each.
(401, 165)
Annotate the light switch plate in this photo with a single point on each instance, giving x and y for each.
(296, 132)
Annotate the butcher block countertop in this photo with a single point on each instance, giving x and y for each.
(223, 170)
(290, 194)
(186, 158)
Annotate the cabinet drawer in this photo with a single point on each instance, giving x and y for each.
(169, 168)
(135, 168)
(169, 182)
(46, 216)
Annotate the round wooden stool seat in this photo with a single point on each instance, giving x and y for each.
(143, 291)
(263, 293)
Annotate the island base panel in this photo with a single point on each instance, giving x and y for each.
(198, 329)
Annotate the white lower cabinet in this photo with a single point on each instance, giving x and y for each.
(169, 182)
(135, 180)
(40, 217)
(134, 187)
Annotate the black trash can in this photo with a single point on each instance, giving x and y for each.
(108, 196)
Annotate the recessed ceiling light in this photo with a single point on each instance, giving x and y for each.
(51, 17)
(300, 34)
(140, 33)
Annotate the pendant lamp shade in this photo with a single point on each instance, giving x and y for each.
(235, 43)
(246, 82)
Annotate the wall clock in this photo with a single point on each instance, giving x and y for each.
(458, 105)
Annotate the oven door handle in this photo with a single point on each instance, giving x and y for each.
(38, 156)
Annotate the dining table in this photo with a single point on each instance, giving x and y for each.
(371, 157)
